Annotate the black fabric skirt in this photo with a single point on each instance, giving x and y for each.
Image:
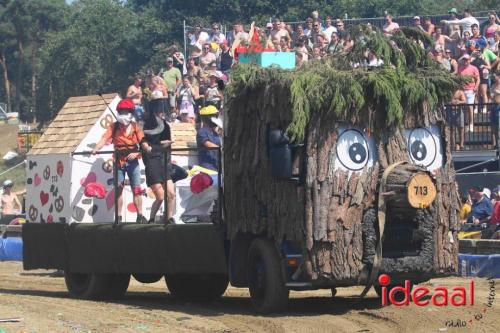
(156, 171)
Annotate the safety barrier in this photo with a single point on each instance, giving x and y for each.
(483, 133)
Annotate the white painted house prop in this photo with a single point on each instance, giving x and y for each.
(56, 178)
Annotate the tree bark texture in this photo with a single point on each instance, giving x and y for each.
(255, 201)
(334, 215)
(5, 71)
(19, 76)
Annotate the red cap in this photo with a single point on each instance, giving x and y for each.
(125, 104)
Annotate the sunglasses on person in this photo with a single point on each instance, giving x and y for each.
(316, 25)
(206, 48)
(339, 25)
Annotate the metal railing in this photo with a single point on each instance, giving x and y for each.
(481, 133)
(128, 149)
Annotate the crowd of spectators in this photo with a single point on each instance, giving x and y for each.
(461, 46)
(480, 211)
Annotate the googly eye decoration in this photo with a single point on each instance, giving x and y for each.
(425, 147)
(354, 150)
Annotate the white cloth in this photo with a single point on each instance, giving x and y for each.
(188, 203)
(328, 32)
(202, 38)
(464, 23)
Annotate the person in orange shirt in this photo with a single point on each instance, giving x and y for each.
(126, 135)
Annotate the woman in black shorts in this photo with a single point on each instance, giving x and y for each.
(158, 175)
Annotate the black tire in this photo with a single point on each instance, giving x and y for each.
(119, 286)
(266, 283)
(197, 287)
(147, 278)
(399, 296)
(88, 286)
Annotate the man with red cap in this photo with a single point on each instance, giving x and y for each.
(126, 135)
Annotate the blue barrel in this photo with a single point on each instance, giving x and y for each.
(11, 249)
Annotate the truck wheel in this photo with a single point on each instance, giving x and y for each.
(119, 285)
(88, 286)
(147, 278)
(197, 287)
(399, 296)
(267, 286)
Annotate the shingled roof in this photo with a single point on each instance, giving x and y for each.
(77, 117)
(71, 124)
(184, 137)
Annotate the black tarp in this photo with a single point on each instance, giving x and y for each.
(127, 248)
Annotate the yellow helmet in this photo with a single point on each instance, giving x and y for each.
(209, 111)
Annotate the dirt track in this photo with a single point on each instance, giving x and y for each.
(44, 306)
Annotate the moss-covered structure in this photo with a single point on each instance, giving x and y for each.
(332, 211)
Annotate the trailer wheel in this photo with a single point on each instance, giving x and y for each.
(267, 286)
(147, 278)
(197, 287)
(119, 285)
(88, 286)
(399, 296)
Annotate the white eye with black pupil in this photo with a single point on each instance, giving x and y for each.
(352, 150)
(424, 145)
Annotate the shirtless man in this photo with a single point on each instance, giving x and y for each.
(453, 27)
(134, 93)
(9, 199)
(457, 118)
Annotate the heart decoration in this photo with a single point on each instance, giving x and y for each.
(91, 178)
(131, 208)
(78, 214)
(38, 179)
(44, 197)
(60, 168)
(92, 210)
(110, 199)
(87, 201)
(50, 219)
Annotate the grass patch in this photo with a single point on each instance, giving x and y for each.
(17, 175)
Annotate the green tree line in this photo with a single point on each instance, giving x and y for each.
(51, 50)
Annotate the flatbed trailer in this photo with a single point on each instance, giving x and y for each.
(332, 174)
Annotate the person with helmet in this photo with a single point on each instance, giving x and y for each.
(126, 135)
(208, 137)
(9, 199)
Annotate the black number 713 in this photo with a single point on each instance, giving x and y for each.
(420, 190)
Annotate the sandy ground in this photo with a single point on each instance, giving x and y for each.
(42, 303)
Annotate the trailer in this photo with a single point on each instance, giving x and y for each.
(332, 174)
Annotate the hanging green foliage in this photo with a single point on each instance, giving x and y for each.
(345, 88)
